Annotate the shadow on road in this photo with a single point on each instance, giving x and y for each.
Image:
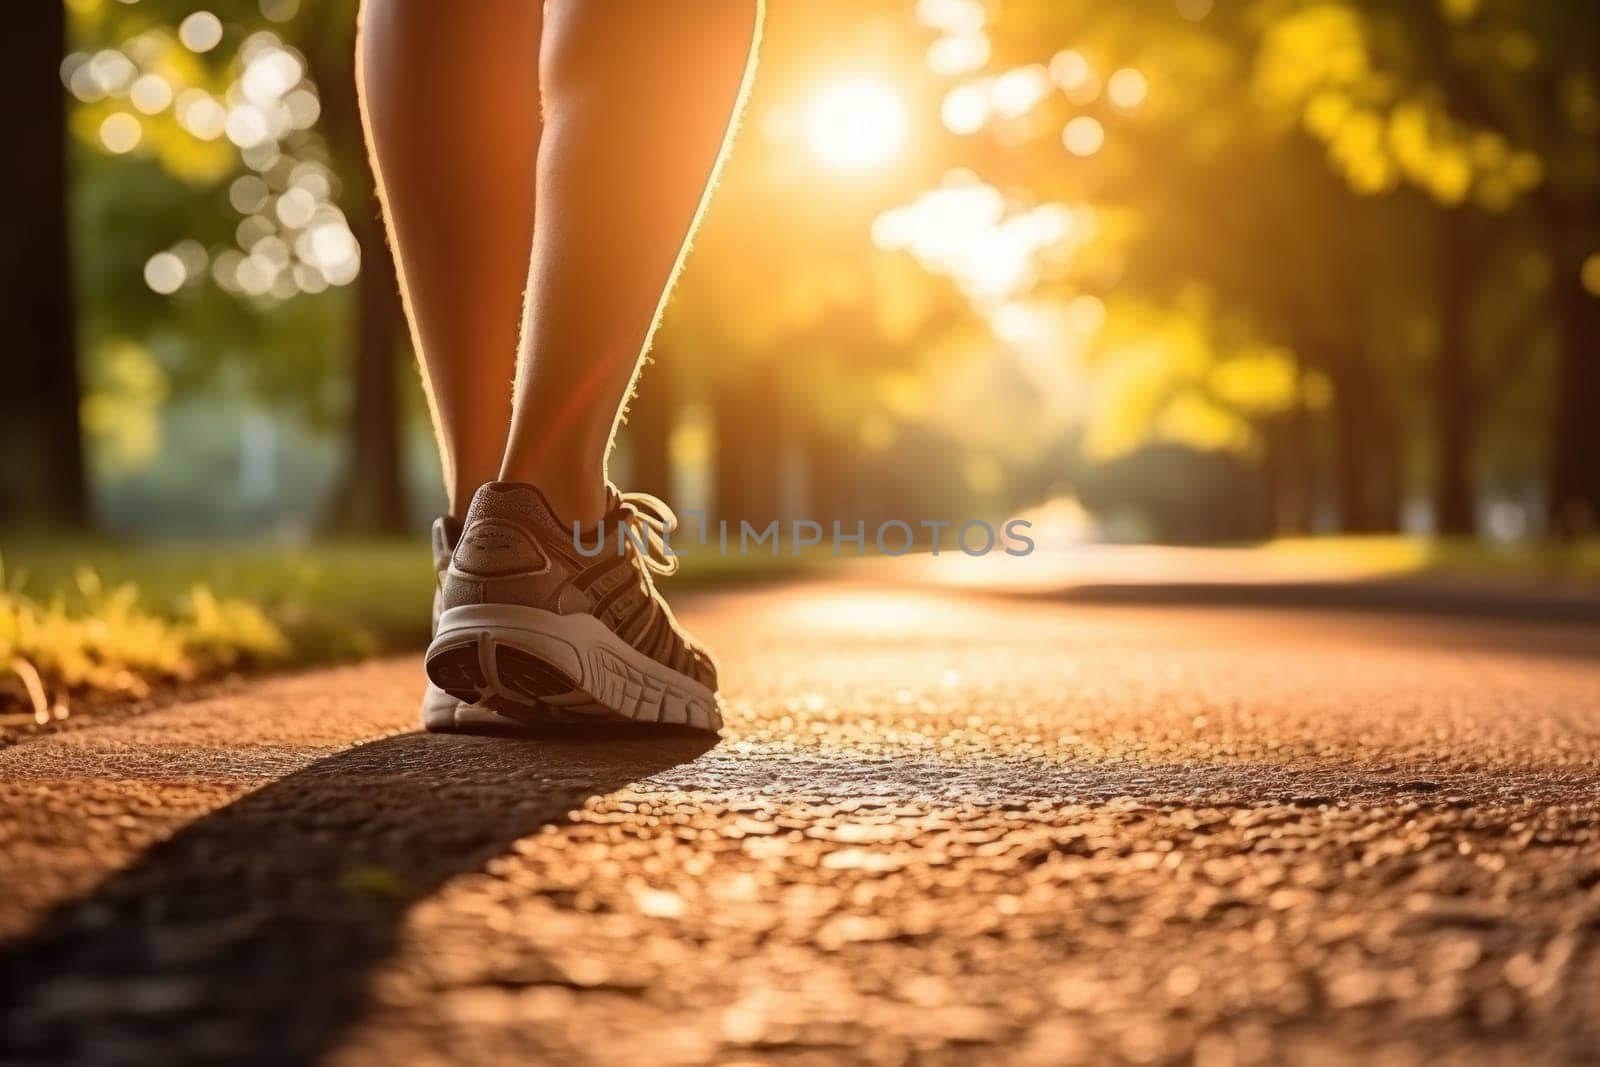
(253, 933)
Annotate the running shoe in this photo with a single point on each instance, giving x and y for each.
(441, 712)
(537, 617)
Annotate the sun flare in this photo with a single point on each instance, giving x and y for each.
(856, 124)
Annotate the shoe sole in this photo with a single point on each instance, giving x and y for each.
(525, 663)
(445, 714)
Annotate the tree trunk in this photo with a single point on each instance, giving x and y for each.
(42, 479)
(372, 498)
(1455, 400)
(1361, 448)
(829, 470)
(1289, 470)
(1575, 459)
(648, 429)
(748, 417)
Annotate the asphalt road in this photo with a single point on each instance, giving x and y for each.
(940, 827)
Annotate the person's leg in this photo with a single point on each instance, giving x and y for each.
(450, 97)
(639, 96)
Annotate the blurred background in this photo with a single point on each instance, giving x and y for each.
(1186, 270)
(1215, 270)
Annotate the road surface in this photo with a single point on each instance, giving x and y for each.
(940, 827)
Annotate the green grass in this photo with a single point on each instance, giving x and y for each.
(92, 621)
(1398, 556)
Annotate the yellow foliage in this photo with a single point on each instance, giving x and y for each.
(1326, 111)
(1194, 420)
(904, 394)
(902, 298)
(1359, 148)
(1450, 177)
(122, 408)
(1135, 383)
(1315, 63)
(1321, 46)
(1174, 375)
(104, 641)
(190, 159)
(1589, 274)
(1525, 170)
(1316, 391)
(1459, 10)
(1260, 380)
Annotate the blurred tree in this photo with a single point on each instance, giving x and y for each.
(1348, 174)
(41, 450)
(223, 161)
(1159, 123)
(371, 496)
(1492, 108)
(1334, 251)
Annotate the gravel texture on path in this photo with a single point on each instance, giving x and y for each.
(939, 828)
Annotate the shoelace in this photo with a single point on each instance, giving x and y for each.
(650, 522)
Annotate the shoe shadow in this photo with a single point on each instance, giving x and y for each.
(253, 933)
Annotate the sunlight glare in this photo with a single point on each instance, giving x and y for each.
(856, 124)
(965, 230)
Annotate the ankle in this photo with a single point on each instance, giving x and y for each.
(574, 497)
(470, 473)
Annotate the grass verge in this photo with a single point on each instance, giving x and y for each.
(85, 623)
(1536, 563)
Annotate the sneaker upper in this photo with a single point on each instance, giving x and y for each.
(446, 533)
(514, 549)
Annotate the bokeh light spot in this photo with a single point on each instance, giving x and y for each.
(201, 114)
(1069, 69)
(965, 109)
(248, 194)
(1590, 274)
(952, 16)
(280, 10)
(1016, 92)
(200, 32)
(151, 94)
(1083, 136)
(165, 273)
(121, 133)
(1127, 88)
(1086, 314)
(958, 55)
